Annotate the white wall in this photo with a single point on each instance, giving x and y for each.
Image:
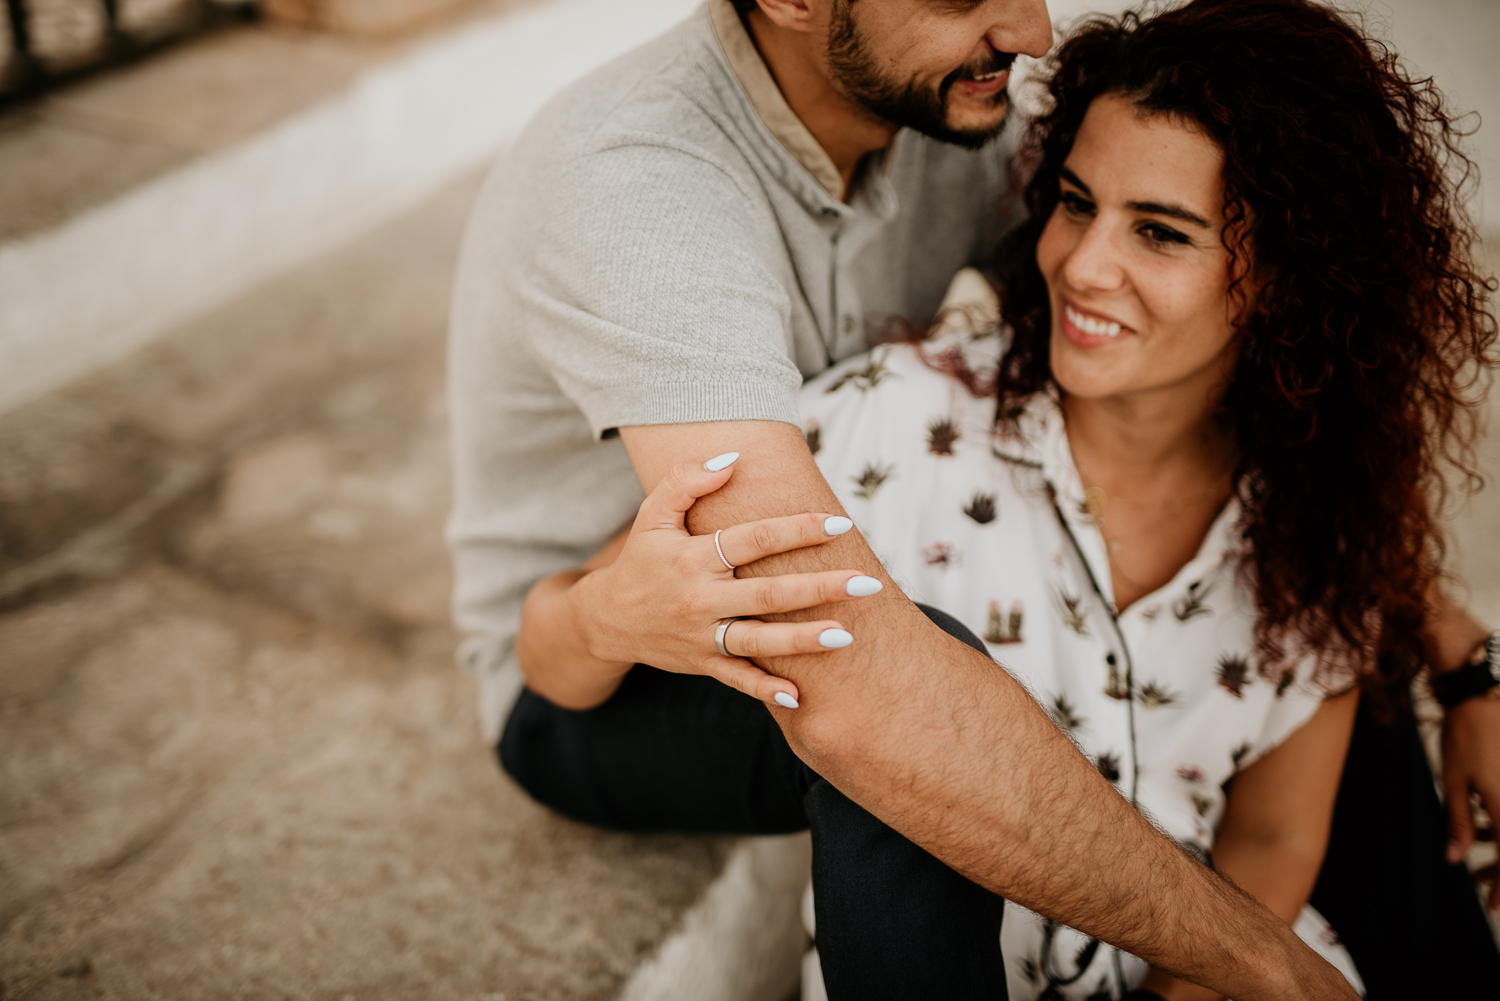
(1457, 42)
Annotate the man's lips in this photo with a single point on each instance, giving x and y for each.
(983, 86)
(1090, 330)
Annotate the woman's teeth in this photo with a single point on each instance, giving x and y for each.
(1099, 328)
(983, 77)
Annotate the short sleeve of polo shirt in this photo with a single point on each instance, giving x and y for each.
(654, 295)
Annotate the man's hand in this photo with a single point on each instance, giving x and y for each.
(1471, 767)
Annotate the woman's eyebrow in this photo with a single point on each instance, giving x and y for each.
(1072, 178)
(1174, 211)
(1155, 208)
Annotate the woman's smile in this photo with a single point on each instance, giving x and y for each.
(1087, 329)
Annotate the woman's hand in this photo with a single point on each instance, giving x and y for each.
(663, 600)
(1471, 766)
(1471, 737)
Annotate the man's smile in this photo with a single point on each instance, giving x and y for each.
(985, 84)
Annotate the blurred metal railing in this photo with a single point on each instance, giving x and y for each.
(44, 42)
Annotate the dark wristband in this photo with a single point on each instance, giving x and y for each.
(1142, 994)
(1473, 679)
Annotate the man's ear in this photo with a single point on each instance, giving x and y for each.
(793, 15)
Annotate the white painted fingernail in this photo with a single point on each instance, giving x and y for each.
(837, 525)
(834, 639)
(719, 462)
(862, 587)
(785, 700)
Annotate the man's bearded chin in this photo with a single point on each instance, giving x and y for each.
(905, 103)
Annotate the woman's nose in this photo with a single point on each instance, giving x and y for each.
(1094, 262)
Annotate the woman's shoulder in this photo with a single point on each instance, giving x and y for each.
(970, 308)
(960, 349)
(884, 370)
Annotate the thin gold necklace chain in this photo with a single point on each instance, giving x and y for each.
(1092, 490)
(1095, 500)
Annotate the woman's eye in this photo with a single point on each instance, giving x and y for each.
(1158, 233)
(1075, 204)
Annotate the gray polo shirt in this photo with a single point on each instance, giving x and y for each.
(666, 243)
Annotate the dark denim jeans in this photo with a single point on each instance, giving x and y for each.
(1412, 922)
(672, 752)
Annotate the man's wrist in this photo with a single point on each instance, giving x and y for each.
(585, 622)
(1280, 966)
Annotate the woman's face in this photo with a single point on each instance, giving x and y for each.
(1135, 269)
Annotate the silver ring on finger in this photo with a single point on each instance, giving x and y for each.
(719, 636)
(720, 549)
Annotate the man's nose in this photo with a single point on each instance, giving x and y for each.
(1022, 26)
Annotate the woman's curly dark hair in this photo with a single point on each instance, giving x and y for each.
(1368, 344)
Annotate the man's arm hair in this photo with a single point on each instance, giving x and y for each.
(939, 742)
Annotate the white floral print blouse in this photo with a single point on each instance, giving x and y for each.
(1166, 697)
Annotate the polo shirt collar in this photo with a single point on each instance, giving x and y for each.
(777, 116)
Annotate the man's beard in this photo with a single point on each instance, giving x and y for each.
(904, 103)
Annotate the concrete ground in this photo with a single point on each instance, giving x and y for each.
(238, 760)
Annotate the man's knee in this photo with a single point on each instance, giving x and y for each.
(525, 728)
(953, 627)
(545, 750)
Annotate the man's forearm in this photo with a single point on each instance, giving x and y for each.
(551, 652)
(939, 742)
(944, 746)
